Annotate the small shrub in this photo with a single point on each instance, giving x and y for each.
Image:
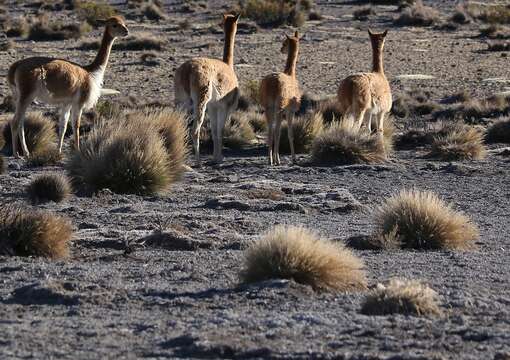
(460, 142)
(460, 16)
(341, 145)
(257, 121)
(6, 44)
(501, 46)
(329, 110)
(273, 13)
(295, 253)
(49, 187)
(136, 42)
(417, 15)
(490, 13)
(238, 133)
(44, 30)
(93, 11)
(26, 232)
(45, 157)
(408, 297)
(306, 129)
(40, 134)
(18, 27)
(420, 220)
(495, 32)
(499, 132)
(150, 59)
(153, 12)
(363, 13)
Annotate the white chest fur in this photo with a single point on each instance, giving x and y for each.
(95, 83)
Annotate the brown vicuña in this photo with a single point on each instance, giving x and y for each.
(59, 82)
(367, 93)
(280, 97)
(211, 85)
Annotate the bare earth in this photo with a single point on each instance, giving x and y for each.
(182, 298)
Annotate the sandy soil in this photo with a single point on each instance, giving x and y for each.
(182, 298)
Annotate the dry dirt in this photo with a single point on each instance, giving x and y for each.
(125, 295)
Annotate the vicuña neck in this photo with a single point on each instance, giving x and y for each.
(103, 54)
(377, 60)
(290, 66)
(228, 49)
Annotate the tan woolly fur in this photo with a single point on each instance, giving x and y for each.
(367, 93)
(70, 86)
(280, 97)
(211, 85)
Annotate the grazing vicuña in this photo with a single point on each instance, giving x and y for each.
(291, 252)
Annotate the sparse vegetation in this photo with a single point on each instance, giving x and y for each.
(238, 133)
(489, 13)
(363, 13)
(339, 144)
(150, 59)
(295, 253)
(141, 154)
(329, 110)
(420, 220)
(44, 30)
(26, 232)
(136, 42)
(153, 11)
(417, 15)
(306, 129)
(49, 187)
(274, 13)
(460, 142)
(408, 297)
(93, 11)
(18, 27)
(499, 132)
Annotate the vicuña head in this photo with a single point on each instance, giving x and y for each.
(115, 26)
(291, 43)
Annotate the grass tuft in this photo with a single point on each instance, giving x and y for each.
(49, 187)
(420, 220)
(26, 232)
(93, 11)
(417, 15)
(274, 13)
(339, 144)
(306, 128)
(295, 253)
(499, 132)
(408, 297)
(459, 142)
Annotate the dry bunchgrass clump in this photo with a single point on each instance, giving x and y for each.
(17, 27)
(93, 11)
(25, 232)
(153, 12)
(489, 13)
(40, 136)
(417, 15)
(291, 252)
(408, 297)
(420, 220)
(340, 144)
(459, 142)
(273, 13)
(141, 154)
(329, 110)
(45, 30)
(305, 129)
(499, 132)
(136, 42)
(237, 134)
(49, 187)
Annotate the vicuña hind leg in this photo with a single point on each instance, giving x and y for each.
(276, 136)
(359, 118)
(270, 134)
(200, 102)
(212, 112)
(62, 125)
(18, 128)
(75, 123)
(222, 117)
(290, 135)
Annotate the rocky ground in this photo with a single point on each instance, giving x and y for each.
(126, 293)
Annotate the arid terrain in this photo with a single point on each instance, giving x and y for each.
(122, 294)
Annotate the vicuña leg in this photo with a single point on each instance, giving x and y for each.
(18, 127)
(270, 134)
(290, 134)
(62, 125)
(212, 112)
(222, 117)
(359, 118)
(276, 136)
(200, 102)
(75, 123)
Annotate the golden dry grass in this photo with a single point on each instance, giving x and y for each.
(49, 187)
(124, 156)
(339, 144)
(26, 232)
(409, 297)
(291, 252)
(415, 219)
(459, 142)
(306, 128)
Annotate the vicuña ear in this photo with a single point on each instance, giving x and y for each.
(385, 33)
(287, 36)
(296, 34)
(236, 17)
(370, 32)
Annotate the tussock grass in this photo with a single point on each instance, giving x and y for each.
(40, 135)
(257, 121)
(499, 132)
(399, 296)
(363, 14)
(142, 154)
(153, 11)
(329, 110)
(420, 220)
(44, 30)
(459, 142)
(93, 11)
(417, 15)
(489, 13)
(25, 232)
(18, 27)
(305, 128)
(49, 187)
(339, 144)
(238, 133)
(295, 253)
(274, 13)
(137, 42)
